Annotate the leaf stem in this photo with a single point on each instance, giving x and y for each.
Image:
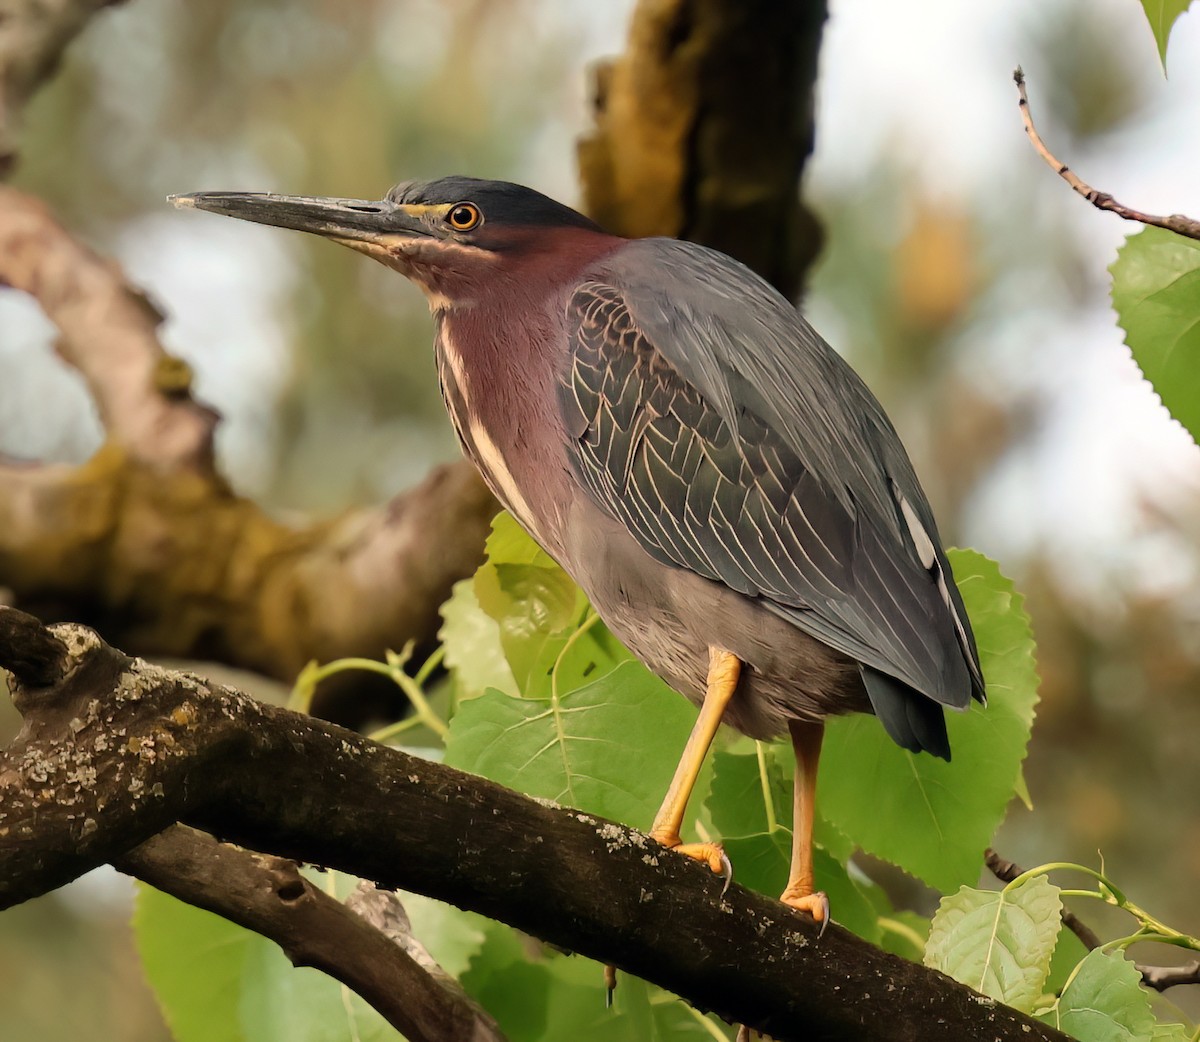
(393, 669)
(760, 749)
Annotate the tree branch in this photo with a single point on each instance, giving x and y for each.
(702, 129)
(1006, 871)
(271, 897)
(33, 35)
(105, 541)
(1176, 222)
(1160, 978)
(116, 750)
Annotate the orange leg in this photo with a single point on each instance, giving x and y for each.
(806, 741)
(724, 668)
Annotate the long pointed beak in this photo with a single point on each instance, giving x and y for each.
(380, 223)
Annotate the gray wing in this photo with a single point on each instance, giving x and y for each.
(752, 455)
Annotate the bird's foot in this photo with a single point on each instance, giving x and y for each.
(813, 904)
(711, 854)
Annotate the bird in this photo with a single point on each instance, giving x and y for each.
(722, 485)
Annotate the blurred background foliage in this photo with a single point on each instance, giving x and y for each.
(966, 284)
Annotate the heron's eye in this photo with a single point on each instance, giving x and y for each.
(464, 216)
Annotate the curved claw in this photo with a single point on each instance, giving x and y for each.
(815, 905)
(727, 872)
(712, 854)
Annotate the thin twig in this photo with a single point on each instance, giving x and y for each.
(1157, 977)
(1176, 222)
(1160, 978)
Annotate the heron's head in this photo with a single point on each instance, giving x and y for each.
(456, 237)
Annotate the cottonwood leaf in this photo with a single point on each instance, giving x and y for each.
(608, 747)
(1162, 16)
(998, 942)
(932, 818)
(1104, 1002)
(471, 637)
(761, 863)
(218, 982)
(546, 998)
(539, 610)
(1171, 1033)
(1156, 293)
(737, 802)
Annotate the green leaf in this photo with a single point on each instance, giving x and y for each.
(546, 998)
(503, 980)
(540, 612)
(562, 997)
(998, 942)
(608, 747)
(905, 934)
(1171, 1033)
(1156, 293)
(471, 638)
(1068, 953)
(761, 863)
(932, 818)
(737, 803)
(217, 982)
(535, 607)
(452, 936)
(1162, 15)
(1104, 1002)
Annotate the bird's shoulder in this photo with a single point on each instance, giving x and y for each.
(727, 436)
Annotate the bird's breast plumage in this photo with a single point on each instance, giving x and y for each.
(499, 419)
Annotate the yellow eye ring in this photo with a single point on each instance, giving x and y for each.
(462, 217)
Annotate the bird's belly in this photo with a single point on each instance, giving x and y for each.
(669, 617)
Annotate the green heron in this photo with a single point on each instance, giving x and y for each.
(716, 478)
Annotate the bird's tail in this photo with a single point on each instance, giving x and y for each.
(912, 720)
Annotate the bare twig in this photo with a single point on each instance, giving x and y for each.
(1160, 978)
(118, 750)
(1178, 223)
(270, 896)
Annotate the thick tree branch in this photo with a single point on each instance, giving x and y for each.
(109, 333)
(146, 539)
(271, 897)
(1176, 222)
(117, 750)
(33, 35)
(703, 127)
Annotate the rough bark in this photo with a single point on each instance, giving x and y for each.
(365, 943)
(703, 126)
(114, 751)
